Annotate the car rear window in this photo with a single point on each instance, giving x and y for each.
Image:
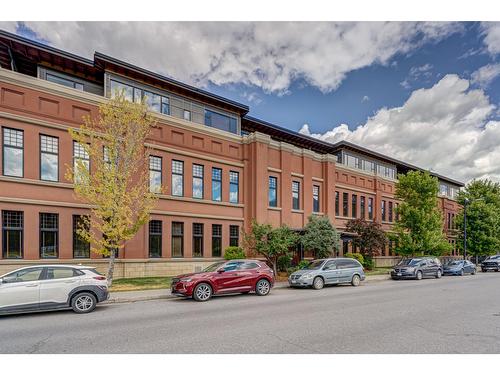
(95, 271)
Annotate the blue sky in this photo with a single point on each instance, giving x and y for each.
(366, 90)
(424, 92)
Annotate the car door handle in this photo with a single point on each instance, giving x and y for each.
(31, 285)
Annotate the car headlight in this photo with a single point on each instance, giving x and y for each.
(307, 276)
(185, 280)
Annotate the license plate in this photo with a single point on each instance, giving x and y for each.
(399, 273)
(294, 281)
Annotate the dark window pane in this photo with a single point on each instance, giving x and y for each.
(234, 235)
(316, 198)
(81, 247)
(354, 205)
(49, 231)
(216, 240)
(273, 197)
(345, 204)
(197, 239)
(155, 238)
(220, 121)
(177, 239)
(216, 184)
(296, 195)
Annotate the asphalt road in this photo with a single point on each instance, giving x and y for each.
(450, 315)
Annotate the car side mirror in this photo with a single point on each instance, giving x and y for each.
(221, 270)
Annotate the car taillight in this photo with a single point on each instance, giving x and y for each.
(99, 277)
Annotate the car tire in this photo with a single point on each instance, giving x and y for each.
(473, 272)
(318, 283)
(419, 275)
(439, 273)
(263, 287)
(356, 280)
(483, 270)
(202, 292)
(498, 269)
(461, 272)
(83, 303)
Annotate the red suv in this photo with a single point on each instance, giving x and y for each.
(234, 276)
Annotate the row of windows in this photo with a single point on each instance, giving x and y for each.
(13, 155)
(273, 195)
(13, 230)
(198, 231)
(365, 206)
(358, 162)
(13, 161)
(13, 234)
(162, 104)
(198, 171)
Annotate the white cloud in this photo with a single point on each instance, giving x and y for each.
(485, 75)
(417, 73)
(447, 127)
(365, 99)
(268, 55)
(492, 36)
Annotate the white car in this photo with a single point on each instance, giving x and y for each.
(52, 287)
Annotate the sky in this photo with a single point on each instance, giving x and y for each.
(424, 92)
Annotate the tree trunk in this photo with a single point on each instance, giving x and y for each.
(111, 267)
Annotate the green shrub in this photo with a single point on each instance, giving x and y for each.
(303, 264)
(284, 262)
(369, 263)
(234, 252)
(357, 256)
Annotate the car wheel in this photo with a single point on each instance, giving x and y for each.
(356, 280)
(498, 269)
(439, 274)
(461, 272)
(318, 283)
(202, 292)
(263, 287)
(483, 270)
(83, 303)
(419, 275)
(473, 272)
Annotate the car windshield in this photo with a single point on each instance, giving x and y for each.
(494, 257)
(213, 267)
(455, 263)
(409, 262)
(314, 265)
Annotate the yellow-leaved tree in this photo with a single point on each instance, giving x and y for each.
(110, 172)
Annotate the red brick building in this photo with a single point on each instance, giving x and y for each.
(220, 167)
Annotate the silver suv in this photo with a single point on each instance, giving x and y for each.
(328, 271)
(52, 287)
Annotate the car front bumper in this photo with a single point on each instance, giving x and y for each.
(402, 275)
(300, 282)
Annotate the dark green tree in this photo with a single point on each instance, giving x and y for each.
(320, 236)
(419, 228)
(371, 239)
(483, 218)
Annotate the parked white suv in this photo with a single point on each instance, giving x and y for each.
(52, 287)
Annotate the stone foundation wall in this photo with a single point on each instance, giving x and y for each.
(124, 268)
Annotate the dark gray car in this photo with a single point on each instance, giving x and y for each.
(322, 272)
(417, 268)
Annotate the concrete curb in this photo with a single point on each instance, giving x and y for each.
(116, 298)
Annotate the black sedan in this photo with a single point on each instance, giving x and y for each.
(459, 268)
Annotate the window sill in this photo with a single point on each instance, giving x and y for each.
(298, 211)
(274, 208)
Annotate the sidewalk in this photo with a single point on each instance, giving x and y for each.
(153, 294)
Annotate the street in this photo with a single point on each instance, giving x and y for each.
(450, 315)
